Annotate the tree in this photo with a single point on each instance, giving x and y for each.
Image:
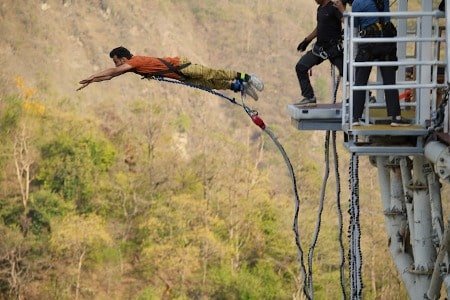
(72, 166)
(77, 236)
(23, 160)
(16, 262)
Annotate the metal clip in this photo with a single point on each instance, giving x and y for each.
(322, 54)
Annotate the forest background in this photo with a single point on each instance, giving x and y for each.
(136, 189)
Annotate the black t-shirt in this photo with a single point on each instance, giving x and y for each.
(329, 26)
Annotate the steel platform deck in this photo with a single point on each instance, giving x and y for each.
(385, 129)
(375, 139)
(317, 117)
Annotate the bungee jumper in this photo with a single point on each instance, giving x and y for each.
(328, 46)
(178, 68)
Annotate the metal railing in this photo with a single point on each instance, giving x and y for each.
(425, 63)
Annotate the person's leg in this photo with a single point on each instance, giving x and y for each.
(361, 78)
(388, 52)
(338, 61)
(359, 97)
(391, 95)
(207, 77)
(219, 79)
(305, 63)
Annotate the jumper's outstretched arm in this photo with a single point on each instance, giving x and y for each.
(105, 75)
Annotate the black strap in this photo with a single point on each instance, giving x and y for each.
(380, 6)
(170, 69)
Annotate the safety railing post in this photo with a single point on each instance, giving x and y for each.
(425, 63)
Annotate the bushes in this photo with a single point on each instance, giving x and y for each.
(71, 167)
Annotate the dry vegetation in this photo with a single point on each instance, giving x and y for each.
(171, 143)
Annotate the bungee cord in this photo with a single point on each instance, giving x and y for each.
(307, 277)
(338, 194)
(313, 244)
(254, 116)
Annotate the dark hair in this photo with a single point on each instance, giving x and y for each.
(120, 52)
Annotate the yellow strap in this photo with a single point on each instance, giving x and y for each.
(380, 28)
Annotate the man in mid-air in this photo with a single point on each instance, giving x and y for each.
(178, 68)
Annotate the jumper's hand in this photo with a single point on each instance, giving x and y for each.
(303, 45)
(89, 80)
(84, 83)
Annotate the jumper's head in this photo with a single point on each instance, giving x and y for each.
(120, 55)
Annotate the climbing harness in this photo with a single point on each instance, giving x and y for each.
(335, 48)
(319, 51)
(254, 116)
(170, 69)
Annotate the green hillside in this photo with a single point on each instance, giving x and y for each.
(136, 189)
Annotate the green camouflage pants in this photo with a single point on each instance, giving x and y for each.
(211, 78)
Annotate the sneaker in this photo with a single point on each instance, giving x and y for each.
(256, 82)
(307, 101)
(400, 123)
(249, 90)
(359, 122)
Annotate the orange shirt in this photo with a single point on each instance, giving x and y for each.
(144, 65)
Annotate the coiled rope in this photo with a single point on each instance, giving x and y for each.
(354, 254)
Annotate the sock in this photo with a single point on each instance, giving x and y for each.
(243, 76)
